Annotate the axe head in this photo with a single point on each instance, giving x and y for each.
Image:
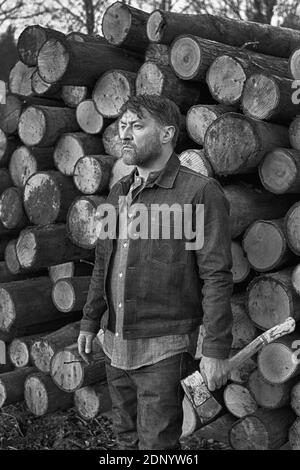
(205, 403)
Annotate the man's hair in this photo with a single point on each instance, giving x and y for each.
(163, 110)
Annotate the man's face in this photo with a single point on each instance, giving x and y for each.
(141, 138)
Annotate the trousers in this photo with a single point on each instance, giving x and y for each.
(147, 402)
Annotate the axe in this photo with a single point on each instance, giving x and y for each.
(204, 403)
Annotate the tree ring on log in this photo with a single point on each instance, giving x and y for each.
(294, 64)
(185, 57)
(36, 396)
(292, 227)
(27, 249)
(260, 96)
(7, 310)
(276, 363)
(53, 60)
(155, 26)
(22, 165)
(116, 23)
(18, 353)
(39, 209)
(42, 352)
(278, 171)
(226, 79)
(63, 295)
(88, 118)
(70, 363)
(146, 86)
(249, 434)
(32, 126)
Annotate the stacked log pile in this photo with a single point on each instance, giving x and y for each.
(60, 155)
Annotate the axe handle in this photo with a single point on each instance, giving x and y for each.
(267, 337)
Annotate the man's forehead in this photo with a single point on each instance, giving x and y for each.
(134, 116)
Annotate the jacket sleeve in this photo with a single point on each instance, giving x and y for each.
(214, 261)
(95, 305)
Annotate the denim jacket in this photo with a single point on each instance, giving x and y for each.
(169, 289)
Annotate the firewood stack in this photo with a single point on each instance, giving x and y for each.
(60, 155)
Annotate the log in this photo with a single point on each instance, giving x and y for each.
(92, 401)
(266, 395)
(43, 246)
(48, 196)
(7, 276)
(241, 374)
(111, 140)
(92, 173)
(191, 56)
(11, 260)
(69, 295)
(43, 125)
(190, 419)
(5, 180)
(72, 146)
(89, 119)
(70, 269)
(266, 247)
(12, 385)
(200, 117)
(19, 351)
(81, 37)
(19, 81)
(158, 53)
(12, 214)
(44, 89)
(217, 430)
(243, 330)
(42, 396)
(43, 348)
(263, 430)
(294, 435)
(296, 278)
(31, 40)
(125, 25)
(278, 362)
(279, 171)
(82, 221)
(82, 63)
(155, 79)
(26, 303)
(240, 267)
(8, 145)
(291, 227)
(239, 401)
(10, 113)
(196, 160)
(294, 133)
(165, 26)
(119, 170)
(70, 373)
(112, 90)
(25, 161)
(248, 204)
(73, 95)
(295, 398)
(272, 299)
(269, 97)
(235, 143)
(294, 65)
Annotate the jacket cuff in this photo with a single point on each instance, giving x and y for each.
(216, 352)
(90, 326)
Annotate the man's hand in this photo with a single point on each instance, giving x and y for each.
(214, 372)
(84, 343)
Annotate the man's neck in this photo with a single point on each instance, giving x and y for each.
(155, 166)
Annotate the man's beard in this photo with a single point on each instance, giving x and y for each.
(150, 151)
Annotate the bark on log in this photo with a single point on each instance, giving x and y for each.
(10, 113)
(294, 435)
(48, 196)
(69, 295)
(43, 348)
(43, 125)
(295, 398)
(158, 53)
(272, 299)
(248, 204)
(70, 269)
(292, 228)
(19, 351)
(92, 401)
(42, 396)
(200, 117)
(39, 247)
(112, 90)
(264, 430)
(125, 25)
(92, 173)
(44, 89)
(279, 171)
(73, 95)
(7, 276)
(269, 97)
(12, 214)
(7, 146)
(239, 401)
(81, 37)
(240, 264)
(235, 143)
(111, 141)
(73, 146)
(19, 81)
(82, 221)
(154, 79)
(70, 373)
(164, 27)
(12, 385)
(196, 160)
(31, 40)
(82, 63)
(89, 119)
(243, 330)
(294, 133)
(25, 161)
(278, 361)
(265, 244)
(191, 56)
(266, 395)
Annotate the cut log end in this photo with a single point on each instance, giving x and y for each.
(67, 370)
(292, 224)
(26, 249)
(81, 221)
(296, 279)
(11, 208)
(260, 96)
(116, 23)
(198, 120)
(29, 43)
(278, 171)
(88, 118)
(150, 80)
(240, 263)
(11, 260)
(7, 310)
(185, 57)
(32, 126)
(276, 363)
(19, 353)
(88, 175)
(41, 353)
(112, 90)
(239, 401)
(36, 396)
(226, 79)
(195, 160)
(73, 95)
(249, 434)
(63, 295)
(67, 152)
(294, 64)
(22, 165)
(294, 434)
(3, 394)
(36, 205)
(87, 402)
(295, 398)
(270, 396)
(154, 26)
(39, 86)
(53, 59)
(294, 133)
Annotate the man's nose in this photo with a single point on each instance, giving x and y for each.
(127, 134)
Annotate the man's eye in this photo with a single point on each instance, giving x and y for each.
(137, 126)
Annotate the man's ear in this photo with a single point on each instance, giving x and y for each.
(168, 134)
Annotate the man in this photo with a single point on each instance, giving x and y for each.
(155, 291)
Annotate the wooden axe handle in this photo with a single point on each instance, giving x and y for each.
(267, 337)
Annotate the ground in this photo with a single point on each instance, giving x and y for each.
(20, 430)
